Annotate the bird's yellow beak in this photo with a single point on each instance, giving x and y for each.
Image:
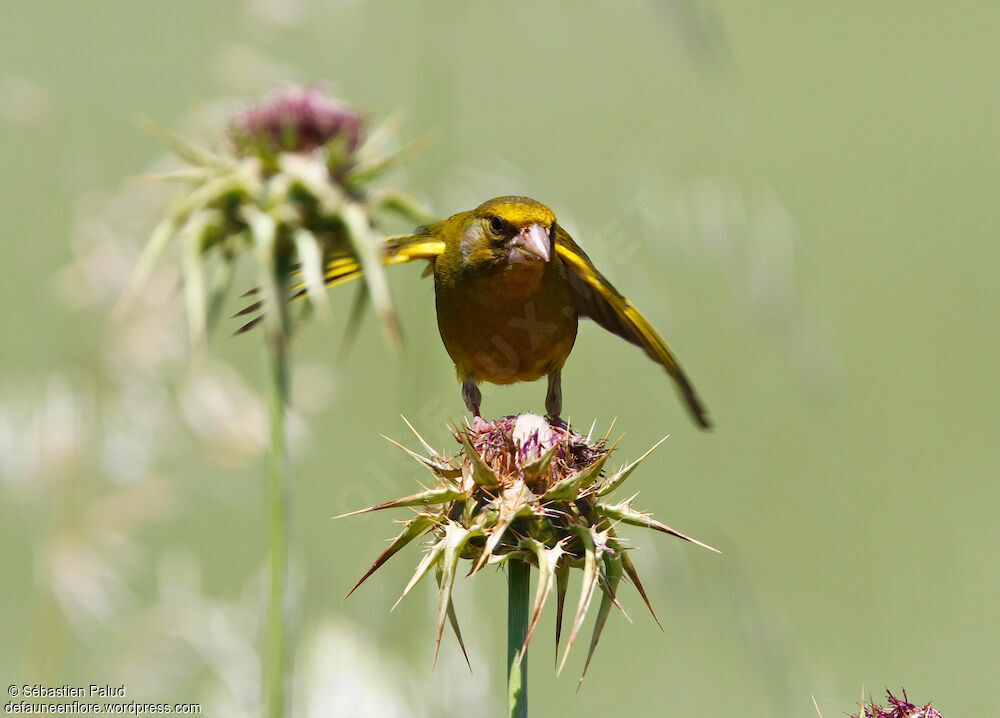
(528, 246)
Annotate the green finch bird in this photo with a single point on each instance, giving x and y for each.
(510, 286)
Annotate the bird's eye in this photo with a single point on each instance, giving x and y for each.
(496, 224)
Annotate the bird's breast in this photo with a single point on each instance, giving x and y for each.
(517, 324)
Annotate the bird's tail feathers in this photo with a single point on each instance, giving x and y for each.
(658, 349)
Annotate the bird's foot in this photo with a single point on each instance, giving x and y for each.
(472, 397)
(553, 397)
(479, 424)
(557, 421)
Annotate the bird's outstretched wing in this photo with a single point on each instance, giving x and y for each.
(345, 267)
(598, 299)
(396, 250)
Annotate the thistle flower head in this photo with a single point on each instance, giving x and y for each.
(296, 119)
(897, 708)
(526, 489)
(298, 191)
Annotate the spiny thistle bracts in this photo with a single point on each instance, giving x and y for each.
(524, 489)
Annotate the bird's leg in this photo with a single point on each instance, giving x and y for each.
(553, 397)
(470, 392)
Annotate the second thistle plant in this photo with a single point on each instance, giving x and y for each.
(525, 492)
(296, 188)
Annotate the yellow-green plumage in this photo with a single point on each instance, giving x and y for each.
(500, 322)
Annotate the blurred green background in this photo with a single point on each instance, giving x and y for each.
(803, 198)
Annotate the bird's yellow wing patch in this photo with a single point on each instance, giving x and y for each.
(345, 267)
(396, 250)
(598, 299)
(410, 247)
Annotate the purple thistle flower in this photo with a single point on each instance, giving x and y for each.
(297, 119)
(898, 708)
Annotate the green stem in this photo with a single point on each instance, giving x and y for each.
(518, 584)
(277, 671)
(219, 290)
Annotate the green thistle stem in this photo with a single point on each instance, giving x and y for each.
(277, 671)
(518, 585)
(219, 288)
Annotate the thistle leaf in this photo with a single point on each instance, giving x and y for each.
(314, 177)
(612, 577)
(540, 466)
(562, 585)
(413, 528)
(311, 256)
(589, 474)
(264, 231)
(602, 581)
(208, 194)
(592, 551)
(565, 489)
(455, 538)
(436, 467)
(453, 620)
(377, 142)
(634, 577)
(624, 513)
(362, 239)
(193, 235)
(402, 205)
(610, 429)
(568, 488)
(511, 507)
(622, 474)
(222, 280)
(430, 497)
(430, 560)
(179, 146)
(548, 560)
(164, 231)
(471, 516)
(496, 560)
(427, 447)
(367, 170)
(185, 175)
(480, 472)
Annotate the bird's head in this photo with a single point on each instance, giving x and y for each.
(509, 230)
